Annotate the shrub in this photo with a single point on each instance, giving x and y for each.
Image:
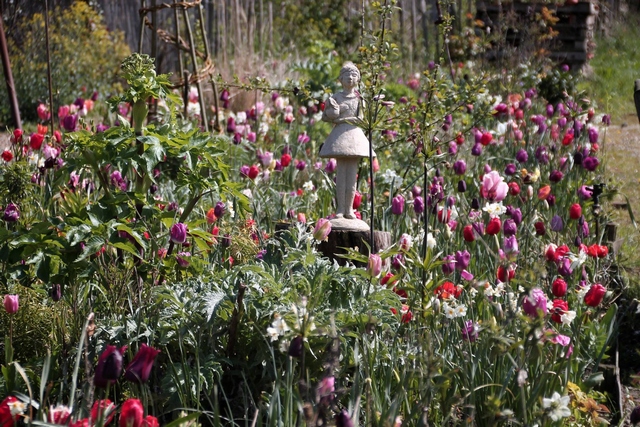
(85, 56)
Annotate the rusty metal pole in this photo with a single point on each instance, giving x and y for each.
(8, 78)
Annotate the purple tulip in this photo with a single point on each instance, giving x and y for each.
(584, 193)
(448, 264)
(140, 367)
(510, 247)
(550, 110)
(11, 213)
(109, 367)
(516, 215)
(397, 262)
(555, 176)
(557, 223)
(590, 163)
(462, 186)
(522, 156)
(534, 302)
(541, 155)
(331, 166)
(476, 150)
(462, 260)
(219, 209)
(460, 167)
(231, 125)
(470, 331)
(510, 169)
(70, 122)
(418, 205)
(397, 205)
(56, 292)
(564, 267)
(509, 228)
(301, 165)
(178, 233)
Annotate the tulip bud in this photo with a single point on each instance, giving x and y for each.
(11, 213)
(296, 347)
(462, 186)
(56, 292)
(397, 205)
(559, 287)
(178, 233)
(11, 303)
(374, 266)
(322, 229)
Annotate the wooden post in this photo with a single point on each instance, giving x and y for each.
(8, 78)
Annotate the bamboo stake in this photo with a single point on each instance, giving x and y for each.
(142, 16)
(176, 18)
(216, 122)
(49, 79)
(194, 58)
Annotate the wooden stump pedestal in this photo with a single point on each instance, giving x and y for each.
(339, 240)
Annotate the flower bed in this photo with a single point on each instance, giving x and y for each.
(154, 250)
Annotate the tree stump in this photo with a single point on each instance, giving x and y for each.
(339, 240)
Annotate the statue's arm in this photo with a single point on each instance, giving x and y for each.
(331, 111)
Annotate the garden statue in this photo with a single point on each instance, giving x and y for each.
(347, 143)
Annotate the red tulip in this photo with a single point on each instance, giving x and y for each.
(81, 423)
(35, 142)
(131, 414)
(468, 233)
(494, 226)
(6, 418)
(560, 307)
(140, 367)
(101, 410)
(575, 211)
(7, 156)
(559, 287)
(150, 421)
(594, 295)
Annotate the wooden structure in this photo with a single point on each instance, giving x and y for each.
(574, 43)
(339, 240)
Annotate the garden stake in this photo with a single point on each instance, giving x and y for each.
(194, 59)
(50, 82)
(6, 68)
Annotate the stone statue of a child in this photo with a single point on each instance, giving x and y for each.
(347, 143)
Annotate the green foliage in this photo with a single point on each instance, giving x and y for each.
(84, 58)
(308, 22)
(615, 68)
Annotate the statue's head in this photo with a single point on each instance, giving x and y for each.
(349, 68)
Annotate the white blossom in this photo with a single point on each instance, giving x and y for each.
(557, 406)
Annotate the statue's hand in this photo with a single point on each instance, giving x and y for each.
(331, 110)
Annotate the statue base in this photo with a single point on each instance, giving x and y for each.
(344, 224)
(340, 239)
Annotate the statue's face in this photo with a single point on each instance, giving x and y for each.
(349, 78)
